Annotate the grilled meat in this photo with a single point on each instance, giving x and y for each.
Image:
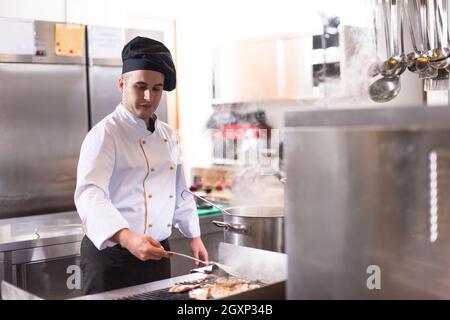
(220, 288)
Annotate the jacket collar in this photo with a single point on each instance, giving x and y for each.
(138, 125)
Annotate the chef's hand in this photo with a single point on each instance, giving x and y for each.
(198, 250)
(140, 245)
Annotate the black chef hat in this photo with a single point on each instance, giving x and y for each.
(148, 54)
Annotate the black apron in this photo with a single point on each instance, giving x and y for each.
(115, 267)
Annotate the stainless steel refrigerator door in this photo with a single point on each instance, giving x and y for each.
(104, 95)
(368, 210)
(43, 121)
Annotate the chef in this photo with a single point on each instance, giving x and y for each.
(130, 180)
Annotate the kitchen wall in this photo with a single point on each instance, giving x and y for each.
(40, 10)
(201, 25)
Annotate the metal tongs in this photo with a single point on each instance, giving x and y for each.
(217, 268)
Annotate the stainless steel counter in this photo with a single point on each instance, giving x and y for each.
(36, 252)
(41, 230)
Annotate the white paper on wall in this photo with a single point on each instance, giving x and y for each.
(17, 37)
(105, 42)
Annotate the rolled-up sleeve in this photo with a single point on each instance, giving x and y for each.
(186, 216)
(101, 219)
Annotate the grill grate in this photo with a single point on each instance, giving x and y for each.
(162, 294)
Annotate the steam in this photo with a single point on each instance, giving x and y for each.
(254, 153)
(257, 186)
(357, 52)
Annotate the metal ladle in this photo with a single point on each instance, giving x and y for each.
(411, 57)
(388, 87)
(385, 89)
(417, 61)
(445, 18)
(396, 64)
(423, 62)
(204, 199)
(233, 226)
(439, 55)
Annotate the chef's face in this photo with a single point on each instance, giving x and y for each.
(141, 92)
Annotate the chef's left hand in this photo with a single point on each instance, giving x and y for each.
(198, 250)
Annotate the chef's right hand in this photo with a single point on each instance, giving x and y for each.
(140, 245)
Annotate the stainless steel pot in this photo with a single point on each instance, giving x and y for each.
(259, 227)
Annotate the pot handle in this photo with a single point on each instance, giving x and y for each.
(230, 226)
(220, 224)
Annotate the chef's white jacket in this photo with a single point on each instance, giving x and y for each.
(129, 177)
